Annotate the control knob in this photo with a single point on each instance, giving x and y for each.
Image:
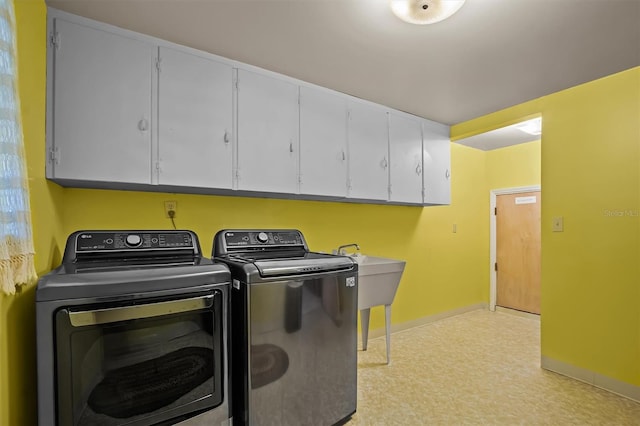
(263, 237)
(133, 240)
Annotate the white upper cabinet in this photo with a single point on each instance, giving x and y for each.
(195, 105)
(267, 133)
(437, 163)
(405, 152)
(129, 111)
(323, 143)
(100, 120)
(368, 139)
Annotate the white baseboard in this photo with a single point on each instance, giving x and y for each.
(517, 313)
(379, 332)
(598, 380)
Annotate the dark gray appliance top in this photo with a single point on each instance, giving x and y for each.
(112, 263)
(274, 253)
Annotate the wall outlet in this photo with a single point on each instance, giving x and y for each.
(558, 224)
(170, 206)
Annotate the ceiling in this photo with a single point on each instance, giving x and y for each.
(490, 55)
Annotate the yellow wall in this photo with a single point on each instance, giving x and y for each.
(591, 177)
(514, 166)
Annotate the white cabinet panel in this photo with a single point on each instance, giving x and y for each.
(323, 143)
(368, 152)
(267, 134)
(102, 105)
(437, 163)
(405, 152)
(195, 98)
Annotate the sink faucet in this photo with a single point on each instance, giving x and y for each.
(341, 248)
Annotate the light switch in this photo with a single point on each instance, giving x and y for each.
(558, 224)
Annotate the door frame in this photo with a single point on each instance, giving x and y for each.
(493, 277)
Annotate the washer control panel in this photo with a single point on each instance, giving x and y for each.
(239, 239)
(105, 241)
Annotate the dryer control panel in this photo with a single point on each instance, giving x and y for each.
(90, 241)
(131, 243)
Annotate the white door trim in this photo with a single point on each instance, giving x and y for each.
(492, 240)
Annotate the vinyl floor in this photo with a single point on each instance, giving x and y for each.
(478, 368)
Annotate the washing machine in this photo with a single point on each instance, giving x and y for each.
(294, 340)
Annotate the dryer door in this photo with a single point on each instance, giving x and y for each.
(139, 361)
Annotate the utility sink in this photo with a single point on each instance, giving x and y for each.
(378, 280)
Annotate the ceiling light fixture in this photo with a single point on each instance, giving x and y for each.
(423, 12)
(532, 127)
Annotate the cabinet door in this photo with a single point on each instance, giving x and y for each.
(405, 152)
(368, 152)
(195, 103)
(437, 163)
(267, 134)
(102, 101)
(323, 143)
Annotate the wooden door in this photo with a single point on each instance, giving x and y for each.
(518, 251)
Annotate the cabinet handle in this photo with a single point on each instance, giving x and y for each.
(344, 156)
(384, 163)
(290, 146)
(226, 137)
(418, 169)
(143, 125)
(447, 174)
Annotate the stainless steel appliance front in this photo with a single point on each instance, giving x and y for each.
(294, 329)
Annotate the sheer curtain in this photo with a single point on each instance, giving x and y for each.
(16, 241)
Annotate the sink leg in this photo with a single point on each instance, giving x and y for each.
(387, 329)
(364, 323)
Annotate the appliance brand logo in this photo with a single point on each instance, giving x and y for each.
(351, 281)
(85, 236)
